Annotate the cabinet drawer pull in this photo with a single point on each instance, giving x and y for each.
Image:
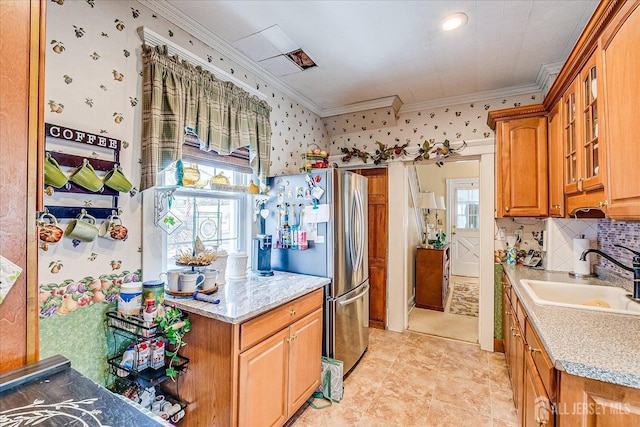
(292, 312)
(506, 209)
(532, 350)
(507, 313)
(515, 335)
(602, 204)
(505, 286)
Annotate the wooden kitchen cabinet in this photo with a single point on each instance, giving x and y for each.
(556, 157)
(432, 277)
(620, 68)
(583, 153)
(22, 37)
(521, 162)
(255, 373)
(280, 373)
(530, 369)
(587, 402)
(537, 408)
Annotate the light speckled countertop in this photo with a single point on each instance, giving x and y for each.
(243, 299)
(598, 345)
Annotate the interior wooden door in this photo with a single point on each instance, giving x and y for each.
(378, 230)
(21, 82)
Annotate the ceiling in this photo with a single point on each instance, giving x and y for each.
(367, 50)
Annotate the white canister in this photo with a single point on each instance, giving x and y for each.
(237, 265)
(130, 299)
(220, 264)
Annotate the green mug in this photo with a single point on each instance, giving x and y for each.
(53, 175)
(115, 179)
(82, 229)
(85, 176)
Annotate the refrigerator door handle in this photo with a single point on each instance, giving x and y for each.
(352, 237)
(357, 221)
(354, 299)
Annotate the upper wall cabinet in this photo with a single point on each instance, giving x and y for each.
(521, 161)
(556, 156)
(620, 65)
(583, 154)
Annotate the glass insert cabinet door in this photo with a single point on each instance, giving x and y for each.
(570, 137)
(591, 165)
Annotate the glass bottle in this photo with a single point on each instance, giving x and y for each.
(286, 233)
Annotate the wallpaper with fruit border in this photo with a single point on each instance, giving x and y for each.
(466, 121)
(93, 84)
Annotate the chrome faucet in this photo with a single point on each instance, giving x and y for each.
(635, 269)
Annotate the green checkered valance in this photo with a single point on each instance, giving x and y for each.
(176, 94)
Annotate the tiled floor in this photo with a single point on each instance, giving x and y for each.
(410, 379)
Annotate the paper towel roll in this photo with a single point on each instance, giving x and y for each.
(582, 268)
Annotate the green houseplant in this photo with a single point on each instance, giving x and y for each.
(174, 326)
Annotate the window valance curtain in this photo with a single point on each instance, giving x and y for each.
(176, 94)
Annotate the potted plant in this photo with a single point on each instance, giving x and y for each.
(174, 326)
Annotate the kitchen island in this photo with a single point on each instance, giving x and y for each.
(254, 356)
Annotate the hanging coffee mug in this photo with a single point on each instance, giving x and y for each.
(82, 228)
(113, 229)
(85, 176)
(116, 180)
(49, 233)
(53, 175)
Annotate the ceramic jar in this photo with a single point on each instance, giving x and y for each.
(220, 264)
(237, 265)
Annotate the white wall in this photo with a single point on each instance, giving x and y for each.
(434, 178)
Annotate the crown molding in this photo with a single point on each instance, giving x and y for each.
(390, 101)
(548, 72)
(174, 15)
(471, 97)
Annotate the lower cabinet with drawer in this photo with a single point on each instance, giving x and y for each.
(256, 373)
(533, 377)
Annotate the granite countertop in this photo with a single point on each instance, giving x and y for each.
(243, 299)
(598, 345)
(50, 392)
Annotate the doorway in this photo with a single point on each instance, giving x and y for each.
(459, 182)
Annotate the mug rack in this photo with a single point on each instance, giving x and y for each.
(70, 160)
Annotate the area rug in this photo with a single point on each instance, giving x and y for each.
(464, 299)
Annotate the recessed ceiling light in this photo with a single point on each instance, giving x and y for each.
(453, 21)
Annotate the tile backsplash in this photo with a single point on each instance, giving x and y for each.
(560, 234)
(558, 240)
(621, 233)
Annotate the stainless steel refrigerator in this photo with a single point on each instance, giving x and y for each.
(339, 250)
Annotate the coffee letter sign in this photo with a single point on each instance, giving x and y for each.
(68, 134)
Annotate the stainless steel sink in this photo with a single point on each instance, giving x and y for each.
(585, 297)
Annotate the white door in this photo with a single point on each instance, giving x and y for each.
(463, 222)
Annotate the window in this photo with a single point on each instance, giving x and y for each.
(217, 218)
(467, 208)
